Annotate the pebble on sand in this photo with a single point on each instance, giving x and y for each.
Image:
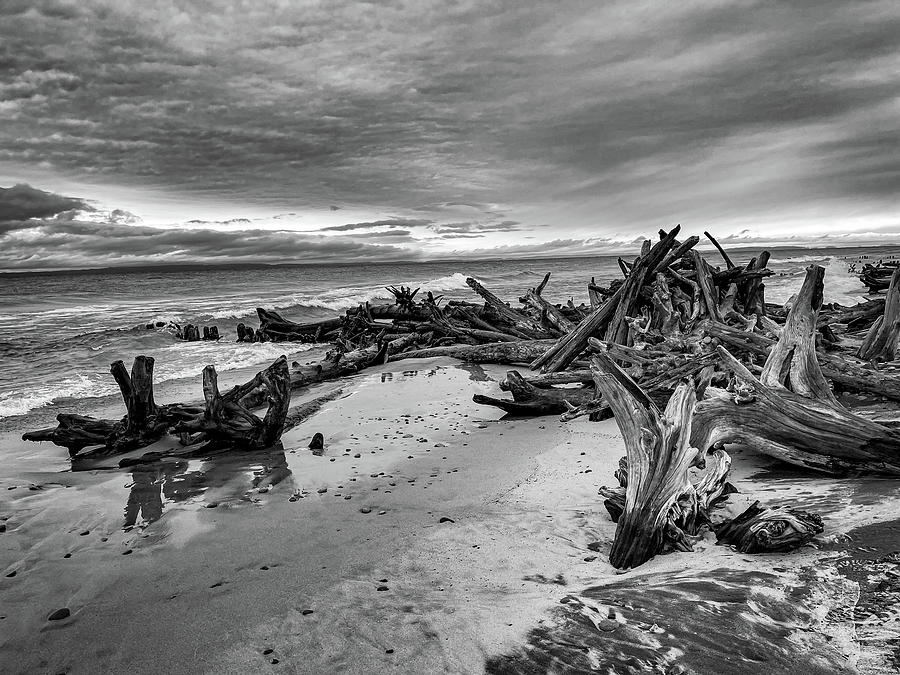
(60, 614)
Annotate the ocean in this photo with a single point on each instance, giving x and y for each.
(59, 331)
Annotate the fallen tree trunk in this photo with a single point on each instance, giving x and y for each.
(75, 432)
(504, 353)
(880, 343)
(274, 327)
(843, 370)
(807, 432)
(550, 313)
(612, 313)
(529, 400)
(515, 319)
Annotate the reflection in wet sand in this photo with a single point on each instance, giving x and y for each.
(172, 481)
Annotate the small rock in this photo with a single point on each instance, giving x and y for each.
(365, 509)
(317, 444)
(60, 614)
(382, 588)
(306, 612)
(322, 490)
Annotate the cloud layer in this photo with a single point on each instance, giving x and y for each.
(477, 122)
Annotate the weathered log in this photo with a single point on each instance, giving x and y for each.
(505, 353)
(509, 315)
(792, 362)
(804, 431)
(752, 291)
(144, 421)
(845, 371)
(227, 422)
(880, 343)
(529, 400)
(611, 314)
(657, 386)
(769, 530)
(707, 288)
(551, 313)
(858, 316)
(664, 317)
(75, 432)
(579, 376)
(277, 329)
(659, 456)
(721, 250)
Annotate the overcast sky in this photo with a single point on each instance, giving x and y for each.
(264, 130)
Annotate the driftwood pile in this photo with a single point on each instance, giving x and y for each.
(222, 421)
(688, 356)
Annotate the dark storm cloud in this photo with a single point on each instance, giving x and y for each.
(616, 115)
(23, 201)
(52, 243)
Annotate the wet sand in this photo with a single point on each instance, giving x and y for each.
(430, 537)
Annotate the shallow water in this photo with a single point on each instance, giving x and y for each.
(59, 332)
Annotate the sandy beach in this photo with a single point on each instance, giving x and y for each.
(432, 536)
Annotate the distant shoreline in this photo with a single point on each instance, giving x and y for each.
(189, 267)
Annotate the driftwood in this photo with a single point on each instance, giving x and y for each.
(505, 353)
(792, 362)
(804, 431)
(659, 456)
(612, 313)
(225, 419)
(524, 324)
(844, 371)
(144, 421)
(529, 400)
(881, 341)
(550, 314)
(75, 432)
(769, 530)
(227, 422)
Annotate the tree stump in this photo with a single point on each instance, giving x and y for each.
(880, 343)
(792, 364)
(659, 456)
(226, 422)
